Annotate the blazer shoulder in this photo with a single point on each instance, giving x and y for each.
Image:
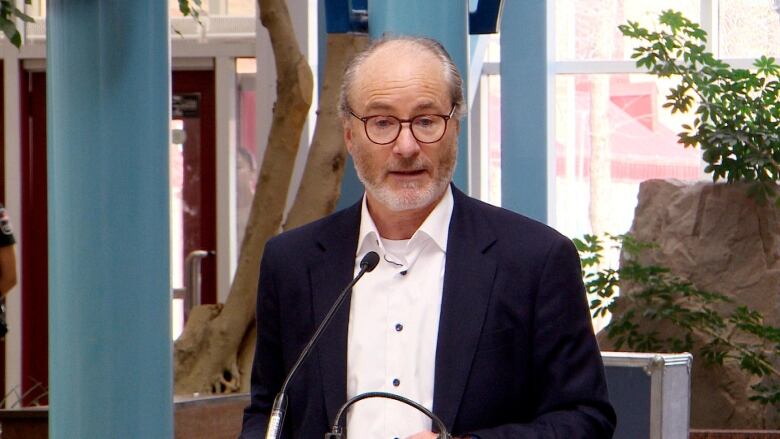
(512, 226)
(335, 226)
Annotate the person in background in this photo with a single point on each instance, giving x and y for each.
(7, 255)
(475, 312)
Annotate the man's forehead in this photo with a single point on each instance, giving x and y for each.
(423, 104)
(397, 69)
(398, 54)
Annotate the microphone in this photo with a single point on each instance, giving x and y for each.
(336, 431)
(274, 430)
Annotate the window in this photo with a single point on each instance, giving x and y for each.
(611, 132)
(235, 8)
(247, 160)
(490, 124)
(748, 28)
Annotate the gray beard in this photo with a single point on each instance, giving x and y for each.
(409, 198)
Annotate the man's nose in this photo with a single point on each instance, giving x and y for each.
(406, 145)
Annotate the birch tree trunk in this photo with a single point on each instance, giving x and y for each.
(600, 130)
(206, 356)
(215, 352)
(321, 183)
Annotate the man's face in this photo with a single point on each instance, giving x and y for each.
(399, 80)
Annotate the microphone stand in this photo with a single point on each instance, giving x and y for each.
(336, 430)
(274, 430)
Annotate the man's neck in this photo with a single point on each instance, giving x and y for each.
(398, 225)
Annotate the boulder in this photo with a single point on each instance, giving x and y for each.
(721, 240)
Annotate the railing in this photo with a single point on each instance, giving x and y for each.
(191, 293)
(192, 280)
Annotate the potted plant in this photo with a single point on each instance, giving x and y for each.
(720, 295)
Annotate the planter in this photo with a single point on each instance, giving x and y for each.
(209, 417)
(734, 434)
(718, 238)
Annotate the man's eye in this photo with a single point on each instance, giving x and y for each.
(383, 122)
(424, 121)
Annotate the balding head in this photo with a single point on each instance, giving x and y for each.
(405, 47)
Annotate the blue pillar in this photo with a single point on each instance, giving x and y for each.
(109, 289)
(444, 20)
(524, 150)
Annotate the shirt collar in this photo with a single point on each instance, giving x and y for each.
(436, 226)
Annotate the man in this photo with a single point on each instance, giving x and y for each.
(7, 257)
(473, 311)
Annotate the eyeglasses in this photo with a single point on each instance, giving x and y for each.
(426, 128)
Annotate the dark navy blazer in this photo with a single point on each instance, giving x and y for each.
(515, 357)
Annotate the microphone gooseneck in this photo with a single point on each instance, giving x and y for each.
(276, 420)
(335, 429)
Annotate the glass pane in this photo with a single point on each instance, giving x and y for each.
(493, 161)
(191, 199)
(241, 7)
(749, 28)
(238, 8)
(587, 29)
(493, 52)
(37, 8)
(176, 176)
(246, 65)
(247, 168)
(611, 134)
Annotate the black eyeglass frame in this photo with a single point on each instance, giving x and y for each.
(401, 122)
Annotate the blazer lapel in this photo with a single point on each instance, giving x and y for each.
(468, 282)
(338, 242)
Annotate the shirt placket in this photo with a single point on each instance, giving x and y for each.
(396, 338)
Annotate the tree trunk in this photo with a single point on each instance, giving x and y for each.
(321, 183)
(600, 129)
(215, 352)
(600, 174)
(206, 354)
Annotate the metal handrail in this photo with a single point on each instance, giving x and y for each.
(192, 279)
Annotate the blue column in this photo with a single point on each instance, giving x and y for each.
(109, 288)
(444, 20)
(524, 155)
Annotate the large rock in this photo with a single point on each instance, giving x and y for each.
(721, 240)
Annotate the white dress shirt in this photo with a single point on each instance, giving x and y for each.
(393, 326)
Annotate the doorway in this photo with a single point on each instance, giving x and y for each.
(196, 176)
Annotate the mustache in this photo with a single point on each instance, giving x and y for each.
(409, 164)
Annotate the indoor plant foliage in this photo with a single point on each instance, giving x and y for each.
(738, 336)
(720, 246)
(737, 110)
(9, 13)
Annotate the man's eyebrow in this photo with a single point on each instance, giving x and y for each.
(380, 106)
(424, 106)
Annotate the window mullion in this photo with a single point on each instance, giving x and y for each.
(710, 23)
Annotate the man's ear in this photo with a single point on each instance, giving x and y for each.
(347, 136)
(457, 126)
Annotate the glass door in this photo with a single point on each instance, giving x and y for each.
(193, 194)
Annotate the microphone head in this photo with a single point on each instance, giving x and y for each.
(369, 261)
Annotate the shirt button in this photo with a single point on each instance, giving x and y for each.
(399, 327)
(396, 382)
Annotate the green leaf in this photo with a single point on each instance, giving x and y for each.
(24, 17)
(184, 7)
(9, 29)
